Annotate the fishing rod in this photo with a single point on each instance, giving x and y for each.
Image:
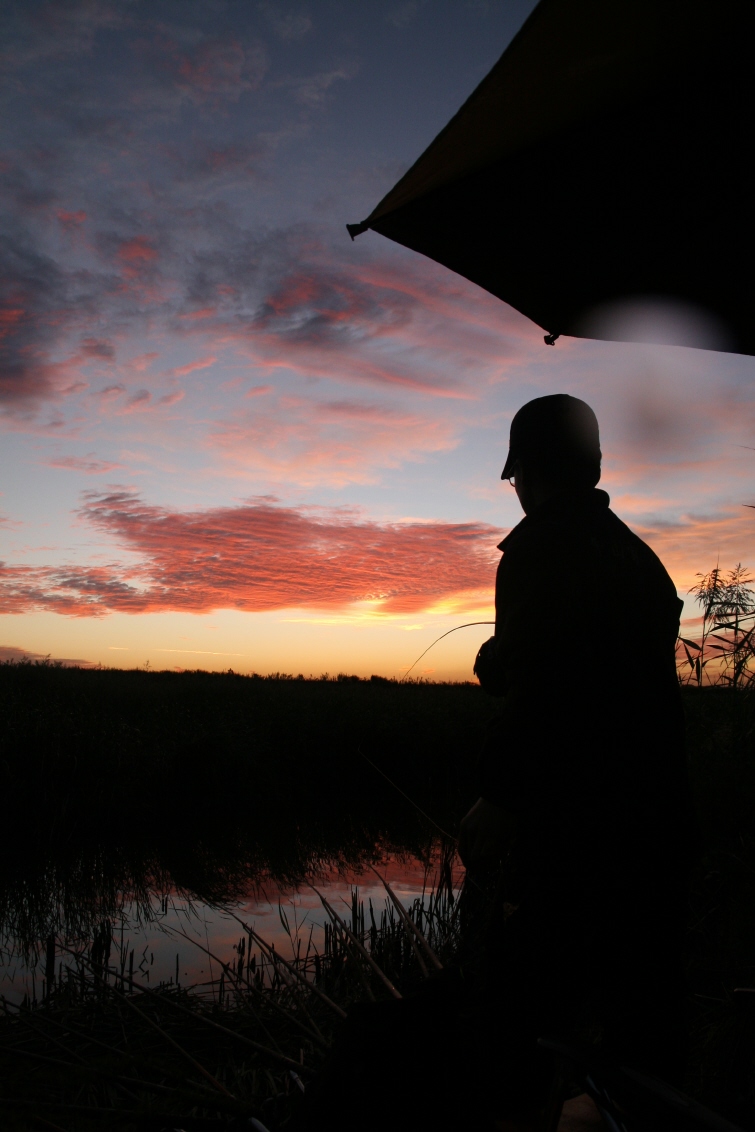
(403, 794)
(468, 877)
(396, 787)
(468, 625)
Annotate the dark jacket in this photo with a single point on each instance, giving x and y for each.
(589, 747)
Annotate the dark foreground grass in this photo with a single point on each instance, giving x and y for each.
(135, 781)
(721, 937)
(105, 1050)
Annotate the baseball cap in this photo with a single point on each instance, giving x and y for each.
(560, 429)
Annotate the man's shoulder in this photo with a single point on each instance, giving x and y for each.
(622, 538)
(558, 521)
(578, 532)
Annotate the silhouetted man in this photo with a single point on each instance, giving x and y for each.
(581, 821)
(582, 779)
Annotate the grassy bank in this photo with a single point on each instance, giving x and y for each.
(124, 779)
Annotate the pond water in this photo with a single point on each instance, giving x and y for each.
(154, 801)
(170, 935)
(161, 804)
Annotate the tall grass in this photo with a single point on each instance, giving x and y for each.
(100, 1047)
(724, 652)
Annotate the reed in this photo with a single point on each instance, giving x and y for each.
(103, 1047)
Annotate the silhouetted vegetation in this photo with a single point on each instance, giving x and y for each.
(137, 780)
(103, 1047)
(132, 781)
(724, 653)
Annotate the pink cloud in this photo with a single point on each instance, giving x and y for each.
(110, 392)
(90, 465)
(297, 439)
(30, 377)
(193, 316)
(230, 157)
(142, 401)
(137, 250)
(190, 367)
(172, 398)
(259, 556)
(360, 323)
(222, 69)
(70, 221)
(136, 255)
(225, 163)
(440, 293)
(143, 361)
(24, 331)
(312, 90)
(9, 317)
(137, 401)
(75, 387)
(258, 390)
(342, 365)
(697, 542)
(97, 348)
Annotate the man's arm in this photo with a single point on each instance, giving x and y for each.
(490, 663)
(489, 670)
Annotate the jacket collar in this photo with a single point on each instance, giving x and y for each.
(563, 501)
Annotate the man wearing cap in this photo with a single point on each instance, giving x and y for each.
(582, 776)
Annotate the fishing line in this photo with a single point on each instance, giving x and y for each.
(405, 795)
(468, 625)
(444, 832)
(468, 878)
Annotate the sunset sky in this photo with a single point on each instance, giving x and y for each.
(231, 436)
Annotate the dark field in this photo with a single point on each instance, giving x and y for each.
(117, 779)
(135, 780)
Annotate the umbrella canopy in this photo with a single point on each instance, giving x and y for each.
(604, 165)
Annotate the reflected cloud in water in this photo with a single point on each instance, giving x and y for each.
(165, 937)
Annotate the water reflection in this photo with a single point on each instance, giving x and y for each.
(211, 789)
(164, 937)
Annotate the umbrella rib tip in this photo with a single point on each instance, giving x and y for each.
(355, 230)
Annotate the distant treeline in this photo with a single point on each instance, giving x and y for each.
(150, 760)
(97, 754)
